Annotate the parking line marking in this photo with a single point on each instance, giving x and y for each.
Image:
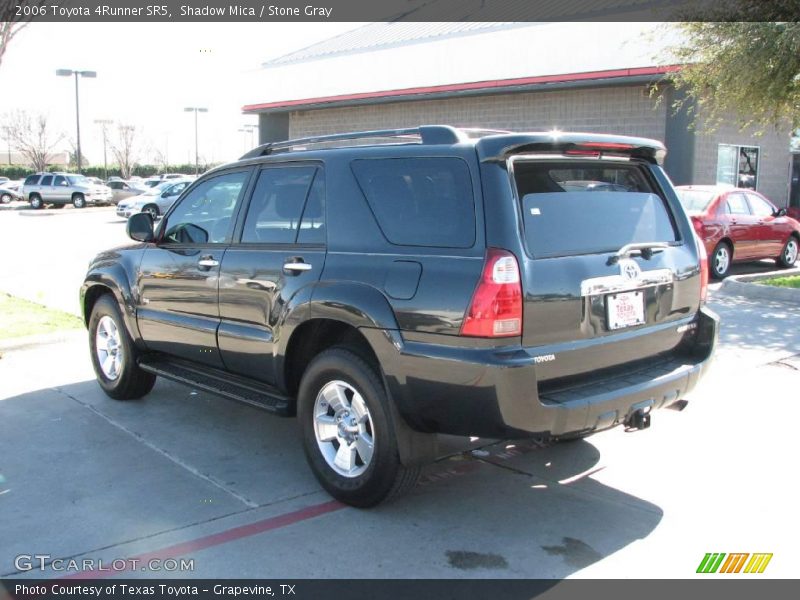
(222, 537)
(174, 459)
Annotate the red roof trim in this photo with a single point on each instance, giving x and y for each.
(462, 87)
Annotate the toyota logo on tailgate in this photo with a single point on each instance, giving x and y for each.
(629, 270)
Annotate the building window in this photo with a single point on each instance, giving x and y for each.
(738, 165)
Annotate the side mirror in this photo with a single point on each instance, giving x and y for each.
(140, 227)
(781, 212)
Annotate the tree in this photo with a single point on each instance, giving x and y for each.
(125, 149)
(73, 154)
(733, 64)
(31, 136)
(11, 24)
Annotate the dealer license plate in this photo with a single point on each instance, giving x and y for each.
(625, 309)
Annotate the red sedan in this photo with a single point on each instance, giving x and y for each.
(738, 225)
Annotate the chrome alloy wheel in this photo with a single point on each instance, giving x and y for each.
(722, 260)
(790, 252)
(108, 346)
(343, 428)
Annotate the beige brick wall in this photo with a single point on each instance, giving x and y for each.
(625, 110)
(774, 156)
(622, 110)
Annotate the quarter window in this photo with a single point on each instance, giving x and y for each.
(204, 215)
(31, 180)
(279, 206)
(420, 201)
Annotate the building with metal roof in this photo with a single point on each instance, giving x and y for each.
(581, 76)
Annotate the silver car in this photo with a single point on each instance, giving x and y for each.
(125, 189)
(155, 201)
(60, 189)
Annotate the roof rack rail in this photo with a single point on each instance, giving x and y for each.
(428, 134)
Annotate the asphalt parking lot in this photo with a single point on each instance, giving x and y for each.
(182, 474)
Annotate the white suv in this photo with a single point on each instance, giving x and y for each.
(60, 189)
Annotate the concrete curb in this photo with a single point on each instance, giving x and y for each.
(748, 287)
(30, 341)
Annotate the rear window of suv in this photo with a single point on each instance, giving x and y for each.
(31, 180)
(420, 201)
(575, 208)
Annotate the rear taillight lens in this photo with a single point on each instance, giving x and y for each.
(496, 306)
(701, 251)
(697, 223)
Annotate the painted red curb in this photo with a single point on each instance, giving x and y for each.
(223, 537)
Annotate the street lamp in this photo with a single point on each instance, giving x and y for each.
(104, 123)
(195, 110)
(68, 73)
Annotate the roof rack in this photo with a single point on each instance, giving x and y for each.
(426, 134)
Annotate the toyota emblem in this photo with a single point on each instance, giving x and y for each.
(629, 270)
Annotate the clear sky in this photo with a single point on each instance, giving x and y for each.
(146, 74)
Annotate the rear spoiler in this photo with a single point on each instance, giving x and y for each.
(498, 148)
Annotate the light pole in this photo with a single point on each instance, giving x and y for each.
(195, 110)
(104, 123)
(251, 128)
(68, 73)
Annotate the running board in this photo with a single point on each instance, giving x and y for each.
(218, 382)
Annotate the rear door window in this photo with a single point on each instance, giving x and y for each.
(737, 205)
(420, 201)
(276, 207)
(577, 208)
(31, 180)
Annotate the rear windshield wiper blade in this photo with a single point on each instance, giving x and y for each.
(644, 249)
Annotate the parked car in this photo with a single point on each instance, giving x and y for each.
(155, 201)
(60, 189)
(387, 292)
(739, 225)
(4, 180)
(125, 189)
(9, 190)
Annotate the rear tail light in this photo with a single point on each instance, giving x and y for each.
(697, 223)
(496, 306)
(701, 251)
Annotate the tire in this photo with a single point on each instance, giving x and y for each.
(122, 379)
(36, 201)
(152, 210)
(361, 477)
(78, 201)
(6, 198)
(789, 253)
(720, 261)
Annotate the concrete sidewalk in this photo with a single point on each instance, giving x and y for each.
(185, 474)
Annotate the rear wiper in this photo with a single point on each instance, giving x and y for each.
(644, 249)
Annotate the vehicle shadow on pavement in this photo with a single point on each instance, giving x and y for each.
(757, 325)
(88, 476)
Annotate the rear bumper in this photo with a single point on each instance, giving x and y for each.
(495, 393)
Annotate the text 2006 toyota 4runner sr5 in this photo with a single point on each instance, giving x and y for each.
(389, 285)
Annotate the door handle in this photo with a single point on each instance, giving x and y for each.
(296, 266)
(207, 262)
